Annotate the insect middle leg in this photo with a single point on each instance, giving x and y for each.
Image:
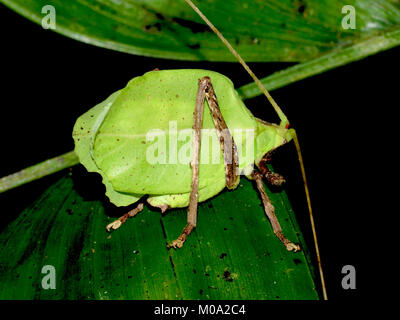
(117, 223)
(228, 147)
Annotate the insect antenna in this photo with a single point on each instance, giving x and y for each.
(282, 116)
(284, 122)
(303, 173)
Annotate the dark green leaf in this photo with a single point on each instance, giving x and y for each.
(232, 254)
(275, 30)
(325, 62)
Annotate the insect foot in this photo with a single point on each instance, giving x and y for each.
(176, 244)
(114, 225)
(293, 247)
(117, 223)
(290, 246)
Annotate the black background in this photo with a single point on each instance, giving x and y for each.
(343, 118)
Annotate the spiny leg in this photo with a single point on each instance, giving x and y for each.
(270, 212)
(228, 148)
(117, 223)
(194, 190)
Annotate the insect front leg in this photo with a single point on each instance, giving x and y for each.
(270, 212)
(272, 178)
(228, 148)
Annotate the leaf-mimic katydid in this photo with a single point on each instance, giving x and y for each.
(113, 139)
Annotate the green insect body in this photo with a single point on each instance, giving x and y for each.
(112, 138)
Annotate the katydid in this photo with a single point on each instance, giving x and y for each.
(114, 139)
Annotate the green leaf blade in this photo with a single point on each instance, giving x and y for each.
(232, 254)
(261, 31)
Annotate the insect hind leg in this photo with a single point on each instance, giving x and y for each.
(194, 189)
(228, 148)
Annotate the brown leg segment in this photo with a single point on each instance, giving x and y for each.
(117, 223)
(194, 190)
(270, 212)
(228, 148)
